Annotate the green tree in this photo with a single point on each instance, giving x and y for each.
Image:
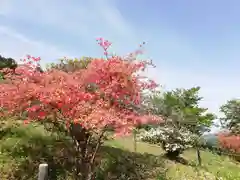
(7, 63)
(180, 109)
(231, 119)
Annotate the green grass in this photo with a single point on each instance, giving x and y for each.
(213, 166)
(23, 148)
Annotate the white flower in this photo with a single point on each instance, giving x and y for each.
(171, 139)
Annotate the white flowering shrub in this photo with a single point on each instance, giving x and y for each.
(170, 138)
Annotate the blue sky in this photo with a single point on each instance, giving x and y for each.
(191, 42)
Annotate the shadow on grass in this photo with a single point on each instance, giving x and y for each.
(24, 148)
(115, 164)
(179, 159)
(28, 157)
(118, 164)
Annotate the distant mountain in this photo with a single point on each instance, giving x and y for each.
(211, 140)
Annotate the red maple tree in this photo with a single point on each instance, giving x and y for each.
(107, 93)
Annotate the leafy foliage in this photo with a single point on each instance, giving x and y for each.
(45, 94)
(96, 97)
(7, 63)
(181, 107)
(185, 119)
(231, 119)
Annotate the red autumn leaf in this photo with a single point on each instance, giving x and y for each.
(115, 79)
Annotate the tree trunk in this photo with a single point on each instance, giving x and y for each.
(135, 141)
(199, 157)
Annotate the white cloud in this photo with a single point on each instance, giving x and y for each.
(85, 20)
(112, 16)
(82, 18)
(17, 46)
(53, 13)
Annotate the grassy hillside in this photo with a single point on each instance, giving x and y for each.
(213, 165)
(23, 148)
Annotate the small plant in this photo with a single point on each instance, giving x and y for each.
(173, 141)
